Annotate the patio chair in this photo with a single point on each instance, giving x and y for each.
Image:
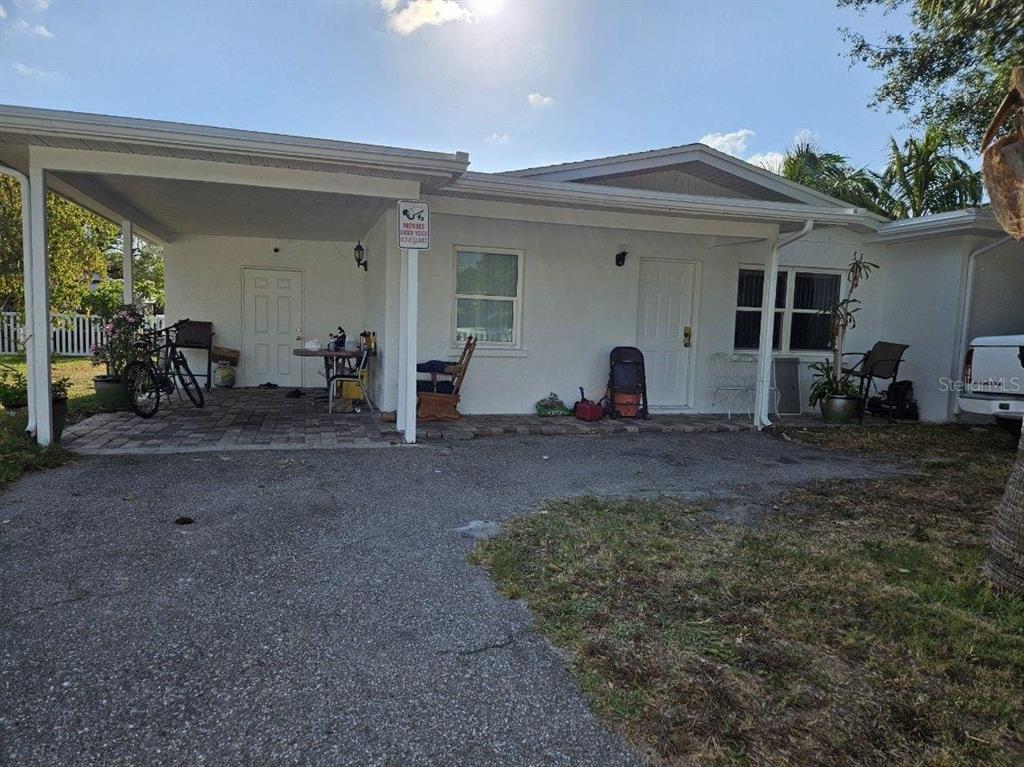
(355, 374)
(192, 334)
(880, 363)
(735, 375)
(439, 400)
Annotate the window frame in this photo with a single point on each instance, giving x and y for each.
(517, 301)
(787, 310)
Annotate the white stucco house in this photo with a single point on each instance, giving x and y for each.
(259, 230)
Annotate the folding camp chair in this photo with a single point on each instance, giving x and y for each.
(881, 363)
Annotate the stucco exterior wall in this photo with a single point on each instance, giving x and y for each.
(204, 282)
(577, 305)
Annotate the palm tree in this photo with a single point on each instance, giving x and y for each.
(926, 176)
(833, 175)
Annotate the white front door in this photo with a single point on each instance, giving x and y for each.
(665, 330)
(272, 318)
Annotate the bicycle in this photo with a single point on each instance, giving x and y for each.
(159, 371)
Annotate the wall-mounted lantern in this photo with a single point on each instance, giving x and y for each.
(360, 254)
(620, 257)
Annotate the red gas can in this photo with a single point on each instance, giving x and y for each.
(586, 410)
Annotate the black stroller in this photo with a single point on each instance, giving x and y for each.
(627, 384)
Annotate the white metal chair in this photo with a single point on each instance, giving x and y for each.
(735, 375)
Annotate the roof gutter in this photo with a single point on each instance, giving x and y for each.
(76, 125)
(658, 203)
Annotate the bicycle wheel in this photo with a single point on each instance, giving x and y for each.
(188, 381)
(143, 389)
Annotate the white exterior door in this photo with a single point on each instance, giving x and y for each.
(272, 318)
(665, 330)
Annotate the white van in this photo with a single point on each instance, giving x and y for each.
(993, 382)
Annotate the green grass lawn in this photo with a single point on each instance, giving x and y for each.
(852, 627)
(82, 399)
(19, 454)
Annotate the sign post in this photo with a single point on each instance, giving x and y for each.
(413, 236)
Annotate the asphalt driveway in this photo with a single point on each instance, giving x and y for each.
(320, 610)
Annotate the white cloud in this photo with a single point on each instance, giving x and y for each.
(33, 5)
(499, 137)
(422, 13)
(32, 29)
(26, 71)
(539, 100)
(734, 143)
(3, 12)
(768, 160)
(805, 136)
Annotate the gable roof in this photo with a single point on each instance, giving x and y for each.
(696, 159)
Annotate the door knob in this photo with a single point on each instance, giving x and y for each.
(687, 336)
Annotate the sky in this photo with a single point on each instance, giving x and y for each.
(515, 83)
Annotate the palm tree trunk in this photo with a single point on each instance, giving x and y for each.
(1005, 565)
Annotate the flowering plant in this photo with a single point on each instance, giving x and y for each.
(120, 332)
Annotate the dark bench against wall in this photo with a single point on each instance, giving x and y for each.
(198, 335)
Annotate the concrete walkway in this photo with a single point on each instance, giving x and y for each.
(320, 610)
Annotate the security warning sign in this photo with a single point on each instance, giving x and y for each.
(413, 225)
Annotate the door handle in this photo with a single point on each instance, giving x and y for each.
(687, 337)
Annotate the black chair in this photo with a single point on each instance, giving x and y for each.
(881, 363)
(192, 334)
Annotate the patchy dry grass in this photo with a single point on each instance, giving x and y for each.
(19, 454)
(852, 628)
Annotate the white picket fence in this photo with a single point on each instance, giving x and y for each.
(71, 335)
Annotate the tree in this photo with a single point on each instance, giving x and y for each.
(926, 176)
(952, 69)
(78, 243)
(833, 175)
(1005, 563)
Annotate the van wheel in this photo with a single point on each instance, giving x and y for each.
(1011, 425)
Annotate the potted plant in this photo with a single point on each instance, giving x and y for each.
(118, 349)
(831, 389)
(14, 398)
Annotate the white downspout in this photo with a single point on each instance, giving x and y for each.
(967, 304)
(763, 389)
(26, 251)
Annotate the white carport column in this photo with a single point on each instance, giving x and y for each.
(128, 294)
(37, 312)
(763, 389)
(407, 346)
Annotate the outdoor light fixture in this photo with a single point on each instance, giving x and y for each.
(360, 253)
(620, 257)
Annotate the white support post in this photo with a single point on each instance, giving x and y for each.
(37, 312)
(407, 387)
(763, 389)
(403, 308)
(128, 294)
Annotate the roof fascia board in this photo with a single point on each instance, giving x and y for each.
(603, 219)
(659, 203)
(77, 125)
(92, 161)
(972, 221)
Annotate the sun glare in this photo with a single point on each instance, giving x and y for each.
(486, 8)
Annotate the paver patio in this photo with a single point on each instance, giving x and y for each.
(267, 419)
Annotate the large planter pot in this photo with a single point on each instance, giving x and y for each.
(110, 392)
(19, 417)
(838, 409)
